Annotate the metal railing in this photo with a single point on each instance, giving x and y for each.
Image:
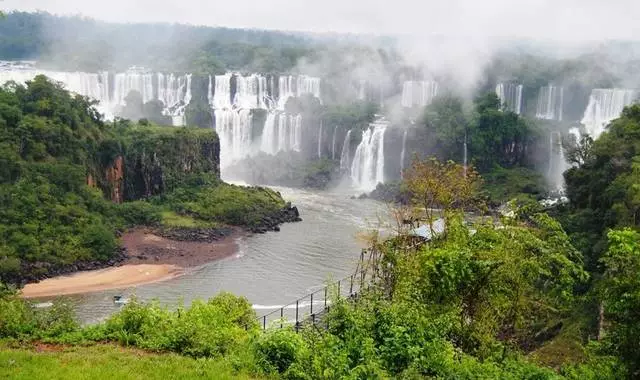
(311, 307)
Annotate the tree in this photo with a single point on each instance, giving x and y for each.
(441, 187)
(620, 292)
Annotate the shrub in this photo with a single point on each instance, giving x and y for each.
(279, 349)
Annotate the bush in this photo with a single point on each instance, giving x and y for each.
(139, 213)
(279, 349)
(212, 328)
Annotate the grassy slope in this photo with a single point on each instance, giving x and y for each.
(107, 362)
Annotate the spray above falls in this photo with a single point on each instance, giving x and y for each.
(418, 93)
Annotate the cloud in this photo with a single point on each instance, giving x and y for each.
(558, 20)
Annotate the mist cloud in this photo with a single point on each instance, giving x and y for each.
(557, 20)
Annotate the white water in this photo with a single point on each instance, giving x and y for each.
(220, 93)
(234, 131)
(290, 86)
(510, 95)
(557, 162)
(345, 157)
(172, 90)
(418, 93)
(281, 133)
(333, 143)
(320, 141)
(550, 103)
(575, 132)
(605, 105)
(402, 155)
(367, 168)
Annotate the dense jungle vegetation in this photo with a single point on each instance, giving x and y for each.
(70, 181)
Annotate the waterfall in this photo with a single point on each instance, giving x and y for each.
(320, 141)
(550, 103)
(575, 132)
(604, 106)
(465, 153)
(221, 96)
(174, 91)
(510, 95)
(234, 131)
(367, 168)
(418, 93)
(333, 143)
(281, 133)
(250, 91)
(290, 86)
(268, 143)
(557, 162)
(346, 153)
(402, 154)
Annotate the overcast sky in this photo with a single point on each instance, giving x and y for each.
(566, 20)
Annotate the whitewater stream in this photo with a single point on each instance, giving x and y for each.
(271, 269)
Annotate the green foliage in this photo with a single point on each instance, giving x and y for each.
(620, 292)
(106, 362)
(224, 203)
(278, 350)
(212, 328)
(502, 184)
(138, 213)
(604, 190)
(20, 320)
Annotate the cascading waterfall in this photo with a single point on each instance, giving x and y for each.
(418, 93)
(174, 91)
(465, 153)
(575, 132)
(320, 141)
(333, 143)
(290, 86)
(550, 103)
(557, 162)
(367, 168)
(605, 105)
(345, 157)
(281, 133)
(234, 131)
(402, 154)
(510, 95)
(220, 98)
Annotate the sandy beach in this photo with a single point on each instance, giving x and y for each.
(151, 258)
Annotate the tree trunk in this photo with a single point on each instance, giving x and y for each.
(600, 321)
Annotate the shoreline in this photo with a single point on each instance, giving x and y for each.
(150, 258)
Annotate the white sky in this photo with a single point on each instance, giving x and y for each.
(562, 20)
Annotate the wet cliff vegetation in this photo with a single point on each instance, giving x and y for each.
(69, 182)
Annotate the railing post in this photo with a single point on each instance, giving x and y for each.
(296, 315)
(264, 322)
(313, 319)
(350, 285)
(339, 295)
(281, 316)
(325, 297)
(311, 303)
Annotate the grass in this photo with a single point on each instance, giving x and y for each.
(106, 362)
(173, 220)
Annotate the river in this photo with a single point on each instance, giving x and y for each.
(270, 269)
